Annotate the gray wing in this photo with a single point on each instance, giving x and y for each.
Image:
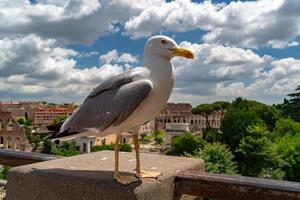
(108, 104)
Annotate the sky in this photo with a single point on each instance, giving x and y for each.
(58, 50)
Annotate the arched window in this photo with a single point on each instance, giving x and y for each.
(1, 142)
(17, 144)
(9, 143)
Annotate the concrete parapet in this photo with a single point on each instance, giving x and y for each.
(90, 177)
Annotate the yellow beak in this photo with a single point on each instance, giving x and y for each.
(179, 51)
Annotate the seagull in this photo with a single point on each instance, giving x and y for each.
(123, 103)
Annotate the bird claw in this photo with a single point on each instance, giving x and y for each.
(148, 174)
(126, 180)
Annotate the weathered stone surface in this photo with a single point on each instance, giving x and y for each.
(90, 177)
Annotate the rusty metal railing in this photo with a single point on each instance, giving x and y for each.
(227, 187)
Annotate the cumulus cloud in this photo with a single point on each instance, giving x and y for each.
(32, 67)
(248, 24)
(67, 21)
(87, 54)
(245, 24)
(220, 72)
(114, 56)
(36, 68)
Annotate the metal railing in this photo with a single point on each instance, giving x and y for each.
(227, 187)
(219, 186)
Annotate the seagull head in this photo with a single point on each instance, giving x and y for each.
(165, 47)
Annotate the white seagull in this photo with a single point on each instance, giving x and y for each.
(126, 101)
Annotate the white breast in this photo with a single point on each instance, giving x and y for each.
(162, 77)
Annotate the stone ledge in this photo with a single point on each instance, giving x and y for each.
(90, 177)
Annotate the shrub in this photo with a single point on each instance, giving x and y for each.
(185, 144)
(218, 159)
(110, 147)
(4, 172)
(66, 149)
(159, 139)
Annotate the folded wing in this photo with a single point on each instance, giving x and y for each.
(109, 104)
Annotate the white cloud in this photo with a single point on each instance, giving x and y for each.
(251, 24)
(274, 23)
(34, 68)
(114, 56)
(68, 21)
(220, 72)
(87, 54)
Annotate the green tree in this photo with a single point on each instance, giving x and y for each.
(185, 144)
(218, 159)
(257, 154)
(21, 120)
(234, 125)
(288, 148)
(206, 110)
(268, 114)
(24, 121)
(222, 105)
(286, 127)
(60, 118)
(292, 108)
(212, 135)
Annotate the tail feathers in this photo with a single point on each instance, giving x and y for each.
(63, 134)
(59, 132)
(55, 127)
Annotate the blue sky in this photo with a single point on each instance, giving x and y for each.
(58, 50)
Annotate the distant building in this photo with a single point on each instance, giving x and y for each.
(20, 109)
(86, 141)
(147, 127)
(182, 113)
(174, 129)
(46, 116)
(12, 135)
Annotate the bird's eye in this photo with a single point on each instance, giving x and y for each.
(164, 42)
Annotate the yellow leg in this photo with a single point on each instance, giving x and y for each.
(125, 180)
(141, 173)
